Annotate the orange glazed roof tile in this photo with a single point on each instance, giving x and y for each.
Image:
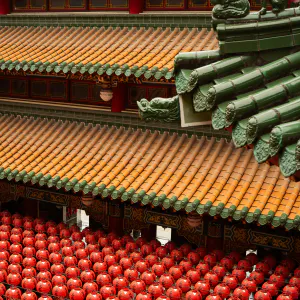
(161, 169)
(137, 51)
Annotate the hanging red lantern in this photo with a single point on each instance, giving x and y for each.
(170, 245)
(277, 279)
(271, 261)
(131, 246)
(138, 286)
(242, 293)
(14, 279)
(27, 272)
(210, 259)
(177, 255)
(3, 265)
(148, 277)
(176, 272)
(162, 251)
(41, 236)
(143, 296)
(263, 266)
(15, 238)
(121, 253)
(110, 259)
(60, 291)
(245, 265)
(116, 244)
(168, 262)
(155, 244)
(78, 245)
(53, 239)
(186, 265)
(193, 275)
(90, 287)
(2, 289)
(53, 247)
(292, 291)
(219, 270)
(76, 236)
(125, 294)
(94, 296)
(40, 245)
(184, 284)
(236, 256)
(222, 290)
(131, 274)
(289, 262)
(99, 267)
(152, 259)
(92, 247)
(52, 231)
(70, 261)
(252, 257)
(142, 265)
(44, 276)
(44, 286)
(295, 281)
(107, 290)
(271, 287)
(29, 283)
(193, 295)
(87, 275)
(88, 199)
(250, 285)
(13, 293)
(156, 290)
(72, 272)
(115, 270)
(4, 236)
(96, 256)
(146, 249)
(58, 280)
(239, 273)
(213, 296)
(103, 279)
(14, 268)
(103, 242)
(74, 283)
(158, 269)
(282, 270)
(84, 264)
(257, 276)
(65, 243)
(262, 295)
(57, 269)
(284, 296)
(120, 282)
(42, 254)
(136, 256)
(141, 241)
(77, 294)
(227, 262)
(15, 258)
(166, 280)
(194, 257)
(29, 251)
(55, 258)
(28, 225)
(212, 278)
(231, 281)
(126, 262)
(15, 248)
(4, 255)
(174, 293)
(203, 268)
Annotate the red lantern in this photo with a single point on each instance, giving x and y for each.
(4, 255)
(13, 293)
(28, 225)
(41, 237)
(57, 269)
(121, 253)
(213, 296)
(252, 257)
(295, 281)
(218, 253)
(263, 267)
(168, 262)
(143, 296)
(131, 246)
(29, 251)
(107, 291)
(174, 293)
(87, 276)
(227, 262)
(53, 247)
(40, 244)
(65, 233)
(146, 249)
(74, 283)
(212, 278)
(44, 276)
(166, 280)
(231, 281)
(194, 257)
(158, 269)
(111, 236)
(126, 263)
(29, 295)
(120, 282)
(74, 228)
(76, 236)
(115, 270)
(78, 245)
(170, 245)
(289, 262)
(15, 258)
(94, 296)
(110, 259)
(141, 241)
(116, 244)
(15, 248)
(193, 275)
(60, 291)
(271, 287)
(156, 290)
(131, 274)
(53, 239)
(177, 255)
(16, 238)
(193, 295)
(236, 256)
(65, 243)
(84, 264)
(186, 265)
(72, 272)
(210, 259)
(90, 287)
(14, 268)
(162, 251)
(292, 291)
(203, 268)
(245, 265)
(3, 265)
(163, 297)
(14, 279)
(103, 279)
(29, 241)
(96, 256)
(58, 280)
(242, 293)
(55, 258)
(42, 254)
(278, 279)
(27, 272)
(52, 231)
(257, 276)
(44, 286)
(29, 283)
(239, 273)
(4, 236)
(155, 244)
(138, 286)
(219, 270)
(284, 296)
(176, 272)
(81, 253)
(148, 277)
(3, 276)
(222, 290)
(70, 261)
(99, 267)
(271, 261)
(184, 284)
(250, 285)
(77, 294)
(126, 294)
(108, 250)
(282, 270)
(136, 256)
(262, 295)
(103, 242)
(151, 259)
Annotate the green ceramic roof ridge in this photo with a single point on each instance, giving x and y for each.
(287, 160)
(262, 149)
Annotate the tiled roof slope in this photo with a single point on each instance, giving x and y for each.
(168, 170)
(257, 96)
(137, 51)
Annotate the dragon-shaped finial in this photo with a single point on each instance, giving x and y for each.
(225, 9)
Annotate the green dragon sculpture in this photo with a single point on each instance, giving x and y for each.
(277, 6)
(225, 9)
(160, 109)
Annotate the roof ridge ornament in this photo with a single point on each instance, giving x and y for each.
(225, 9)
(277, 6)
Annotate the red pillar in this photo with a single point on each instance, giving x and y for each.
(136, 6)
(4, 7)
(118, 101)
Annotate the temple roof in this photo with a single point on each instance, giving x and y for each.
(99, 50)
(162, 169)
